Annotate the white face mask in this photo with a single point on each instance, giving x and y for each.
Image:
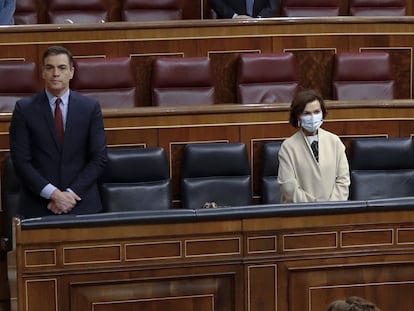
(311, 122)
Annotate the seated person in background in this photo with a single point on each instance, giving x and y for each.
(312, 162)
(245, 8)
(7, 8)
(352, 304)
(58, 144)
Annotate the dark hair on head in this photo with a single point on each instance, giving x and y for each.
(299, 103)
(57, 50)
(352, 303)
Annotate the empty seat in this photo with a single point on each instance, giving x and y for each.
(267, 78)
(182, 81)
(77, 11)
(140, 10)
(270, 189)
(109, 80)
(215, 172)
(18, 80)
(10, 196)
(136, 179)
(298, 8)
(377, 7)
(381, 168)
(26, 12)
(365, 75)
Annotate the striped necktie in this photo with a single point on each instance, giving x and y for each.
(315, 149)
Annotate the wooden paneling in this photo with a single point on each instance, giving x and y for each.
(250, 262)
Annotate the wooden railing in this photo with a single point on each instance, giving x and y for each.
(276, 257)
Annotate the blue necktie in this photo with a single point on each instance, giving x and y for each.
(249, 7)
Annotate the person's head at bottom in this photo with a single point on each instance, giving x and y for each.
(352, 303)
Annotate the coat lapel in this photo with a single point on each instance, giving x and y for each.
(46, 113)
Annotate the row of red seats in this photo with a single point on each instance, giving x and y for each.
(261, 78)
(292, 8)
(92, 11)
(95, 11)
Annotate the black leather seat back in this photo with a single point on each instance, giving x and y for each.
(10, 197)
(215, 172)
(136, 179)
(270, 189)
(381, 168)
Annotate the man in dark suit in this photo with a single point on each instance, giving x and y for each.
(58, 172)
(240, 8)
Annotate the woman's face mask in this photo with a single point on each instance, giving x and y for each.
(311, 122)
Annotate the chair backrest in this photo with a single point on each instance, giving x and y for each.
(18, 80)
(381, 168)
(267, 78)
(365, 75)
(215, 172)
(299, 8)
(77, 11)
(109, 80)
(136, 179)
(377, 7)
(182, 81)
(26, 12)
(270, 189)
(141, 10)
(10, 197)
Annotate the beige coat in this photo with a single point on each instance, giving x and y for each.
(303, 179)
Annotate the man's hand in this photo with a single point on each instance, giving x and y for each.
(62, 201)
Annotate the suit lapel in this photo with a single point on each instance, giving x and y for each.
(73, 110)
(46, 113)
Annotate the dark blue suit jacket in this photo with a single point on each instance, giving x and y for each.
(262, 8)
(39, 158)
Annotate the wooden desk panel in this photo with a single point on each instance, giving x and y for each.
(294, 263)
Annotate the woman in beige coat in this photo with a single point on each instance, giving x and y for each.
(309, 173)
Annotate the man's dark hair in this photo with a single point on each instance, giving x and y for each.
(57, 50)
(299, 103)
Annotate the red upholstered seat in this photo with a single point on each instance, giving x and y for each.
(77, 11)
(267, 78)
(139, 10)
(360, 76)
(377, 7)
(109, 80)
(299, 8)
(182, 81)
(18, 79)
(26, 12)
